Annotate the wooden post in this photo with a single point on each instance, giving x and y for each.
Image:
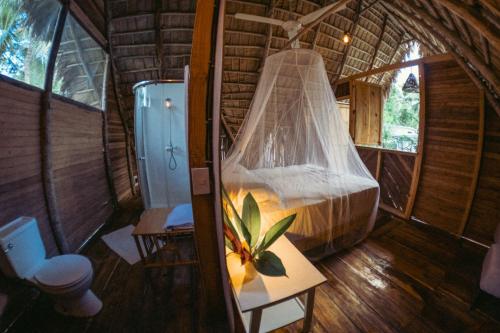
(206, 236)
(114, 83)
(46, 140)
(105, 140)
(417, 166)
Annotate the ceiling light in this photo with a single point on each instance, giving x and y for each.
(347, 38)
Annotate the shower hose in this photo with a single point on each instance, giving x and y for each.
(172, 163)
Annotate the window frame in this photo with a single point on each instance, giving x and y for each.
(77, 14)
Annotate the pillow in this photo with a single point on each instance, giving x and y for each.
(181, 217)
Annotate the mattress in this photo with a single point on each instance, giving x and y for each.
(334, 211)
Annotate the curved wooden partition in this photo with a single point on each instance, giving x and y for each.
(21, 184)
(457, 184)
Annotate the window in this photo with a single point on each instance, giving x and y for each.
(401, 113)
(26, 33)
(80, 66)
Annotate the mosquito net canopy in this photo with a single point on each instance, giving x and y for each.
(295, 155)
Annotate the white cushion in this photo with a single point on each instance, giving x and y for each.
(490, 275)
(180, 217)
(497, 234)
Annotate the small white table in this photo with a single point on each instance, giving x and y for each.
(267, 303)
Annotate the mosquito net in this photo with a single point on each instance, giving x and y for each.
(295, 155)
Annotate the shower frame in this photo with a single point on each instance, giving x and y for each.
(140, 160)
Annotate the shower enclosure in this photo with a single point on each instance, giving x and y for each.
(161, 143)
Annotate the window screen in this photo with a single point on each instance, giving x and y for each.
(26, 33)
(80, 66)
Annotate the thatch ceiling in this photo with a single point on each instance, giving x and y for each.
(381, 30)
(151, 39)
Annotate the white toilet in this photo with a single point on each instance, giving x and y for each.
(66, 278)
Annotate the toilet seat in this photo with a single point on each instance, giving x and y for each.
(63, 271)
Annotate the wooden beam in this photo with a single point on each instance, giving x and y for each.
(446, 36)
(232, 316)
(469, 15)
(119, 101)
(207, 226)
(485, 49)
(107, 160)
(391, 67)
(227, 128)
(417, 165)
(159, 39)
(88, 25)
(391, 59)
(46, 139)
(377, 46)
(422, 38)
(347, 48)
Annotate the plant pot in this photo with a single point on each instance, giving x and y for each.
(250, 272)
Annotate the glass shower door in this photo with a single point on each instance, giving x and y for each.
(161, 120)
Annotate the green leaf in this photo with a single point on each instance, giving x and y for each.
(228, 244)
(251, 218)
(276, 231)
(239, 223)
(269, 264)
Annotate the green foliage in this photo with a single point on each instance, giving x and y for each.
(401, 109)
(26, 30)
(270, 264)
(251, 218)
(276, 231)
(266, 262)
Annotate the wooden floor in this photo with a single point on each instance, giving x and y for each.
(404, 278)
(131, 304)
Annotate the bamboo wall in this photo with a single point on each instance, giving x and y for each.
(451, 147)
(458, 184)
(21, 185)
(83, 196)
(117, 149)
(485, 212)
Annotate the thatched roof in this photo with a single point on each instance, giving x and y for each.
(139, 53)
(381, 31)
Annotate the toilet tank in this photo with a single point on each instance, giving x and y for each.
(22, 249)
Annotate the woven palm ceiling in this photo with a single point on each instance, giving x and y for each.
(151, 39)
(382, 32)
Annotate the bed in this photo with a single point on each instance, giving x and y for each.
(334, 211)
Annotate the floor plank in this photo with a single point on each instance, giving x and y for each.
(406, 277)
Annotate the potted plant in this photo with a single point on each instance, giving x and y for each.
(241, 234)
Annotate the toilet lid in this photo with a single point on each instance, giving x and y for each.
(63, 270)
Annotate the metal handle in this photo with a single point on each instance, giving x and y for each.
(142, 158)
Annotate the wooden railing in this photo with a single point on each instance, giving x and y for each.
(395, 172)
